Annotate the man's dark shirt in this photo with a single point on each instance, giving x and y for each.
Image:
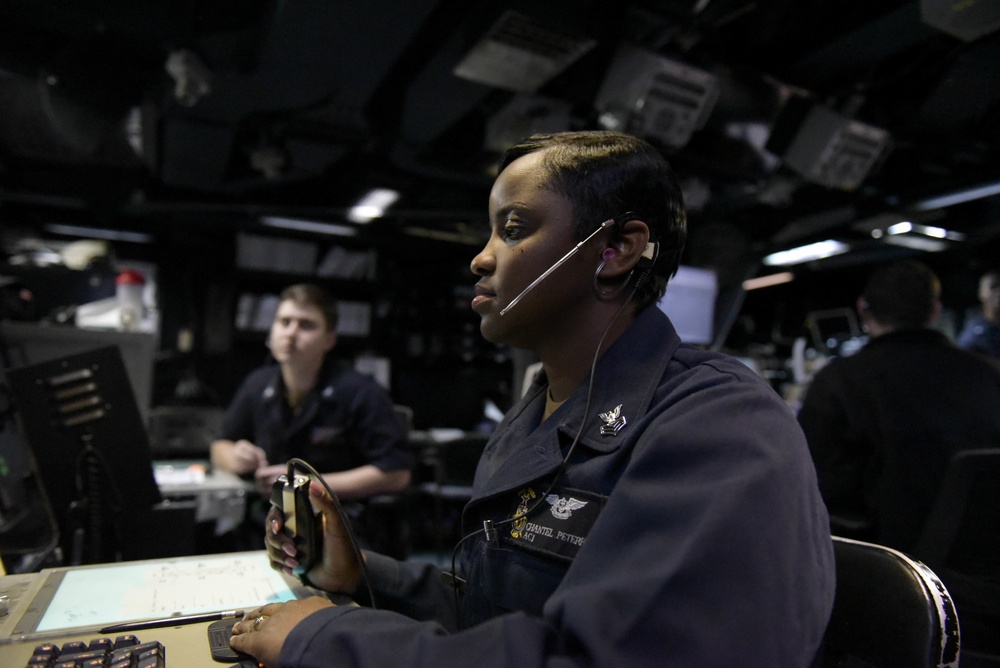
(346, 421)
(883, 424)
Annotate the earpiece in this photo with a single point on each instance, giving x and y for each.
(649, 254)
(608, 254)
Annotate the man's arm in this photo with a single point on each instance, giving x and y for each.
(231, 451)
(238, 457)
(367, 480)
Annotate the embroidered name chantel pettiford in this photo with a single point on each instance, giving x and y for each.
(531, 530)
(558, 527)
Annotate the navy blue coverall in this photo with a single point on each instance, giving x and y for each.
(686, 529)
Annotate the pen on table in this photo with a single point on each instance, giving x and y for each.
(172, 621)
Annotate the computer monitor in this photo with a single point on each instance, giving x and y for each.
(835, 331)
(690, 303)
(27, 343)
(90, 450)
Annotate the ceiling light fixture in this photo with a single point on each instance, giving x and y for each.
(807, 253)
(444, 235)
(906, 227)
(917, 242)
(372, 205)
(99, 233)
(957, 197)
(308, 226)
(768, 281)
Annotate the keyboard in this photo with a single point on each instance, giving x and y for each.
(125, 651)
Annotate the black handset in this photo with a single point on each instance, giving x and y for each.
(302, 522)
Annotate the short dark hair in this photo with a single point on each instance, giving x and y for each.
(903, 294)
(605, 174)
(307, 294)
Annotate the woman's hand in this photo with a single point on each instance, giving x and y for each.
(262, 632)
(339, 570)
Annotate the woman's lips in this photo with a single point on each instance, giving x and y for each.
(480, 300)
(484, 297)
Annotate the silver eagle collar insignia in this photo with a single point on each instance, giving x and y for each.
(613, 421)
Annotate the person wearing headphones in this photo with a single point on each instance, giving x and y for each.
(646, 502)
(311, 407)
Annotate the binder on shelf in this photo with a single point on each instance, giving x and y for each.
(289, 256)
(347, 264)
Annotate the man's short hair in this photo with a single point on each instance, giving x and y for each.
(605, 174)
(307, 294)
(903, 294)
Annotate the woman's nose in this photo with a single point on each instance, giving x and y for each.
(483, 263)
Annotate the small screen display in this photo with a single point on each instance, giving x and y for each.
(690, 304)
(130, 591)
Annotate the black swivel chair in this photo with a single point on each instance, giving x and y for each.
(449, 468)
(889, 611)
(961, 542)
(386, 517)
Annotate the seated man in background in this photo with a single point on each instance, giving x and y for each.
(981, 333)
(310, 407)
(883, 423)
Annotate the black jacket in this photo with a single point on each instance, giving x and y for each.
(882, 425)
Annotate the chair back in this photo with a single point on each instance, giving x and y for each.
(405, 415)
(963, 528)
(888, 611)
(453, 463)
(961, 542)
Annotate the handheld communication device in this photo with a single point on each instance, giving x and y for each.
(303, 523)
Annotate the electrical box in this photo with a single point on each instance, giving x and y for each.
(835, 151)
(655, 97)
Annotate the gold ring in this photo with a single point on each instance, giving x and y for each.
(257, 620)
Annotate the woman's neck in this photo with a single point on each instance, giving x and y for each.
(568, 363)
(551, 405)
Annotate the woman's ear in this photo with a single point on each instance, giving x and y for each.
(625, 248)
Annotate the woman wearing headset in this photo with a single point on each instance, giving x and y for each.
(646, 503)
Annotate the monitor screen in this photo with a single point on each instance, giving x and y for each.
(832, 329)
(690, 303)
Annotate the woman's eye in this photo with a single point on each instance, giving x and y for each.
(512, 232)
